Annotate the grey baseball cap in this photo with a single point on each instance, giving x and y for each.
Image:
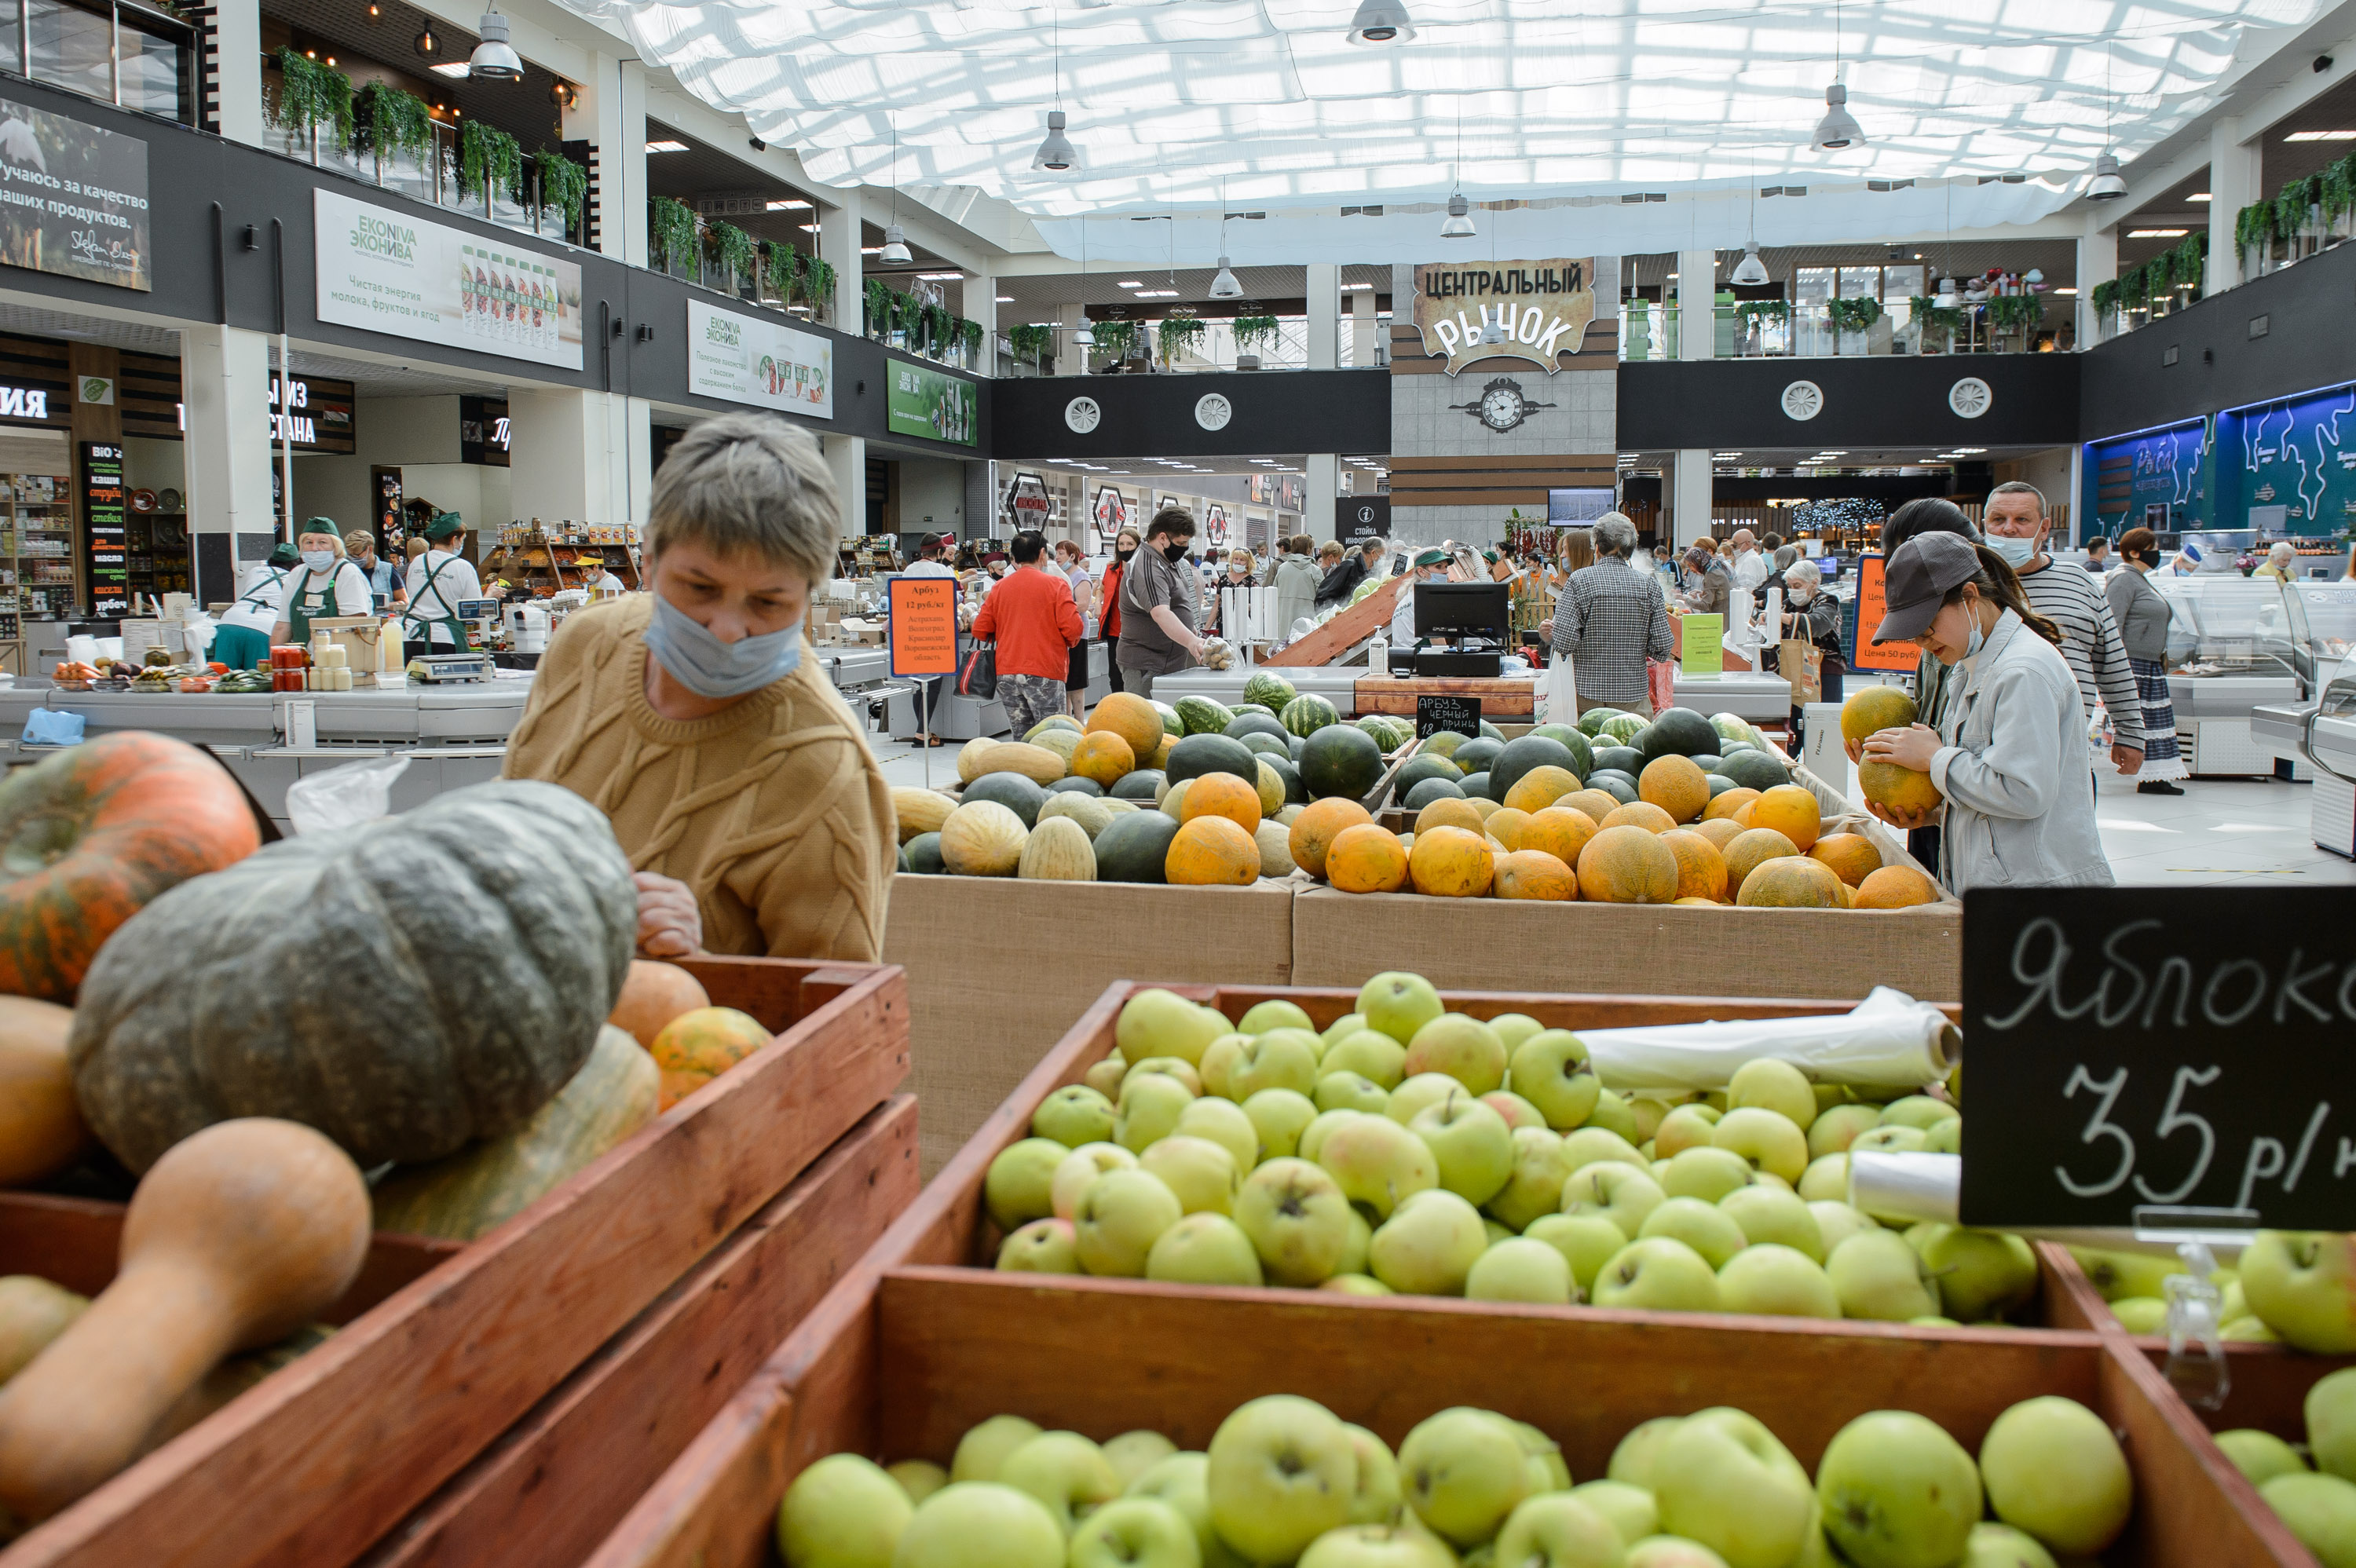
(1920, 576)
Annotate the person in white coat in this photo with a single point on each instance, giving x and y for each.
(242, 635)
(439, 581)
(1431, 566)
(326, 586)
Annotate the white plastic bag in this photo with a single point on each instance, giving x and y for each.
(345, 796)
(1889, 1041)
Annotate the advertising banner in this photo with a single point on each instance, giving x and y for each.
(387, 271)
(73, 199)
(745, 359)
(105, 545)
(1872, 604)
(937, 407)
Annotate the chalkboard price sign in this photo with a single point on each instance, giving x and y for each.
(1441, 715)
(2134, 1054)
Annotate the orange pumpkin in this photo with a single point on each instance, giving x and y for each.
(1641, 813)
(1213, 851)
(1451, 863)
(1104, 756)
(1561, 831)
(92, 836)
(1701, 870)
(1367, 858)
(652, 995)
(1313, 830)
(1534, 874)
(1627, 865)
(1851, 856)
(1221, 795)
(695, 1048)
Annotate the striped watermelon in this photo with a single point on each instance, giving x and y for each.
(1305, 716)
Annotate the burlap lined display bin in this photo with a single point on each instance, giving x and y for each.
(1844, 815)
(999, 968)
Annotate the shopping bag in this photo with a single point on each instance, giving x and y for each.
(978, 677)
(1801, 663)
(1660, 683)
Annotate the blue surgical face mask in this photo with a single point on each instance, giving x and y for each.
(712, 668)
(1973, 643)
(2015, 552)
(319, 560)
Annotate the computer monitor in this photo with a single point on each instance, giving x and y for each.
(1463, 610)
(1577, 506)
(1829, 566)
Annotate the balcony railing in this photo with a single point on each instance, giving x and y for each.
(133, 56)
(1820, 329)
(759, 274)
(1143, 347)
(431, 177)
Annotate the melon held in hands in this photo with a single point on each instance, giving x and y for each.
(1901, 792)
(698, 1047)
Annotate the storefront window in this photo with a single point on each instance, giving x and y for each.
(72, 47)
(121, 53)
(1860, 283)
(155, 73)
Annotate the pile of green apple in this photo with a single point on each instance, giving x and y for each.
(2318, 1504)
(2293, 1288)
(1286, 1481)
(1414, 1151)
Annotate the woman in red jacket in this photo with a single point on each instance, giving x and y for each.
(1124, 545)
(1030, 615)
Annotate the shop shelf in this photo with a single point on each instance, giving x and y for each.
(584, 1309)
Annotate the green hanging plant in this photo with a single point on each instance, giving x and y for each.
(1749, 314)
(311, 94)
(1031, 340)
(1255, 332)
(2291, 205)
(1924, 309)
(970, 334)
(1117, 339)
(1180, 333)
(2106, 297)
(391, 119)
(2007, 313)
(935, 320)
(818, 283)
(2254, 225)
(488, 158)
(670, 231)
(732, 249)
(781, 265)
(878, 297)
(2189, 265)
(562, 184)
(2135, 287)
(1852, 315)
(2338, 188)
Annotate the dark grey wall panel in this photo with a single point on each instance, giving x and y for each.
(1889, 401)
(1271, 411)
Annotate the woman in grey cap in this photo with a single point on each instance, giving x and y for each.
(2009, 751)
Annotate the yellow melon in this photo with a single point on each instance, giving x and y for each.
(1701, 870)
(1485, 806)
(1560, 831)
(1639, 814)
(1595, 804)
(1038, 764)
(1900, 791)
(1103, 756)
(1627, 866)
(1790, 881)
(1212, 851)
(697, 1047)
(983, 839)
(1726, 803)
(1696, 904)
(1313, 830)
(1448, 811)
(1675, 784)
(1275, 843)
(1132, 718)
(1449, 862)
(1790, 810)
(1367, 858)
(1534, 874)
(1541, 787)
(1222, 794)
(1896, 887)
(1750, 849)
(921, 810)
(1719, 830)
(1872, 707)
(1506, 825)
(1162, 753)
(1851, 856)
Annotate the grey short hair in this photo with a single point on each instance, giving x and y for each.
(1804, 571)
(1615, 535)
(2017, 487)
(748, 485)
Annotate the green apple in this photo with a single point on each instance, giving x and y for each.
(1226, 1123)
(1134, 1453)
(1649, 1112)
(1377, 1546)
(1534, 1189)
(1769, 1084)
(1630, 1510)
(1200, 1173)
(1135, 1532)
(2001, 1546)
(1470, 1143)
(1149, 1109)
(1274, 1014)
(1917, 1111)
(1121, 1215)
(2260, 1455)
(980, 1524)
(1517, 1112)
(2143, 1314)
(2053, 1469)
(1073, 1115)
(1356, 1284)
(1826, 1179)
(1065, 1472)
(1558, 1530)
(1897, 1492)
(1708, 1173)
(2303, 1283)
(1079, 1169)
(1370, 1053)
(920, 1478)
(1658, 1273)
(1889, 1139)
(1462, 1473)
(1586, 1242)
(1277, 1118)
(1399, 1004)
(2235, 1302)
(1768, 1213)
(1280, 1059)
(2248, 1330)
(1777, 1281)
(1160, 1023)
(843, 1512)
(1106, 1076)
(1282, 1472)
(1721, 1479)
(1351, 1091)
(1460, 1046)
(1632, 1459)
(1619, 1193)
(2320, 1510)
(1312, 1136)
(1429, 1244)
(1944, 1137)
(1542, 1455)
(1590, 1143)
(2330, 1411)
(1219, 1060)
(1520, 1270)
(1834, 1130)
(1614, 1115)
(1768, 1140)
(1378, 1162)
(1933, 1320)
(1181, 1481)
(1378, 1498)
(1982, 1275)
(1923, 1232)
(1297, 1220)
(1515, 1028)
(1175, 1066)
(1495, 1232)
(984, 1448)
(1550, 1070)
(1043, 1246)
(1876, 1275)
(1342, 1028)
(1671, 1551)
(1418, 1094)
(1204, 1248)
(1837, 1223)
(1687, 1127)
(1705, 1227)
(1354, 1250)
(1016, 1189)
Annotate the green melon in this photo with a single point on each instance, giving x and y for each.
(1523, 755)
(1132, 849)
(1298, 744)
(1240, 709)
(1597, 779)
(1592, 723)
(1475, 755)
(1199, 754)
(1429, 790)
(1730, 726)
(1201, 716)
(1719, 784)
(1307, 715)
(1254, 723)
(1269, 745)
(1341, 760)
(1012, 791)
(1053, 722)
(1388, 732)
(1681, 731)
(1491, 731)
(1139, 784)
(1171, 723)
(1624, 728)
(1754, 770)
(903, 865)
(1443, 744)
(924, 853)
(1476, 788)
(1076, 786)
(1620, 760)
(1705, 761)
(1613, 784)
(1271, 691)
(1417, 769)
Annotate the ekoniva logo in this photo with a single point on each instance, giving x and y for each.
(722, 330)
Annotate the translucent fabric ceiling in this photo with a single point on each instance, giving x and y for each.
(1206, 105)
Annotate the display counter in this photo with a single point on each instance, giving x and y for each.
(955, 718)
(2325, 743)
(2235, 643)
(1761, 699)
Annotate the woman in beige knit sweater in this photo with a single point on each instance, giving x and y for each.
(737, 781)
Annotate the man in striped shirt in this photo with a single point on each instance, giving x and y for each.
(2015, 525)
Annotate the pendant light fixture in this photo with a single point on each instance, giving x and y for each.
(1381, 22)
(2106, 185)
(1493, 327)
(896, 252)
(1085, 336)
(494, 58)
(1750, 271)
(1224, 285)
(1946, 298)
(1838, 129)
(1458, 224)
(1056, 154)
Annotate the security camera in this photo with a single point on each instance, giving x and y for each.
(2322, 64)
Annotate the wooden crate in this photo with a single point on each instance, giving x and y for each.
(314, 1465)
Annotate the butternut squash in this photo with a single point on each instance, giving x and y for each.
(237, 1236)
(41, 1129)
(33, 1311)
(652, 995)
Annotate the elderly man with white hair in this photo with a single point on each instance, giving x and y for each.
(1610, 621)
(1813, 615)
(2281, 562)
(1749, 567)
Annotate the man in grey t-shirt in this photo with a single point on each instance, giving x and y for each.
(1159, 594)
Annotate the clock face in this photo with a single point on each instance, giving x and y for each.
(1501, 409)
(1082, 415)
(1213, 411)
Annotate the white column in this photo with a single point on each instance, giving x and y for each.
(982, 307)
(225, 388)
(846, 458)
(1689, 500)
(1324, 322)
(1696, 304)
(1324, 478)
(238, 25)
(2234, 175)
(2098, 262)
(581, 454)
(1362, 329)
(1071, 360)
(837, 245)
(610, 114)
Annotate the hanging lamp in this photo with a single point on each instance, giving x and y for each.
(1056, 153)
(1380, 22)
(494, 58)
(1750, 271)
(896, 252)
(1838, 129)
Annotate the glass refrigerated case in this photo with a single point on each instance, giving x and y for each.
(2234, 644)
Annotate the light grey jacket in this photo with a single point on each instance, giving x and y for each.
(2142, 612)
(2021, 806)
(1295, 583)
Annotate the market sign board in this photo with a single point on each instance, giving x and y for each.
(1872, 604)
(388, 271)
(937, 407)
(1028, 505)
(741, 358)
(73, 199)
(105, 541)
(1542, 308)
(313, 414)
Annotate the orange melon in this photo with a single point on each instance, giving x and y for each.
(1313, 830)
(1627, 865)
(1790, 881)
(1851, 856)
(1132, 718)
(1675, 784)
(1595, 804)
(1486, 807)
(1213, 851)
(1449, 811)
(1726, 803)
(1222, 794)
(697, 1047)
(1451, 863)
(1719, 830)
(1367, 858)
(1869, 708)
(1701, 870)
(1541, 787)
(1696, 904)
(1160, 758)
(1103, 756)
(1506, 825)
(1896, 887)
(1750, 849)
(1742, 816)
(1790, 810)
(652, 995)
(1560, 831)
(1898, 790)
(1639, 814)
(1534, 874)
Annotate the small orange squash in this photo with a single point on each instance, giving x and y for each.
(695, 1048)
(1213, 851)
(652, 995)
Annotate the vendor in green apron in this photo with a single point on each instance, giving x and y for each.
(242, 635)
(439, 581)
(325, 587)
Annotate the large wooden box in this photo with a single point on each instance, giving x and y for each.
(444, 1348)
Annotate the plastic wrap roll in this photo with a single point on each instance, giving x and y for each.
(1889, 1041)
(1902, 1188)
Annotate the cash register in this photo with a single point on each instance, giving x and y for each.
(1476, 616)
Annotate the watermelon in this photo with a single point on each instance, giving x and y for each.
(1476, 788)
(1524, 755)
(1620, 760)
(903, 865)
(1443, 744)
(1730, 726)
(1132, 849)
(1076, 786)
(1307, 715)
(1705, 761)
(1254, 723)
(1720, 783)
(1298, 744)
(1429, 790)
(1418, 769)
(1754, 770)
(1295, 792)
(1142, 784)
(1680, 731)
(1617, 786)
(1279, 746)
(1341, 760)
(1623, 729)
(1171, 723)
(1388, 733)
(1201, 716)
(1491, 731)
(1592, 723)
(1199, 754)
(1240, 709)
(1012, 791)
(924, 852)
(1474, 757)
(1271, 691)
(1602, 776)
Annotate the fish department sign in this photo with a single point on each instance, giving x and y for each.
(1540, 309)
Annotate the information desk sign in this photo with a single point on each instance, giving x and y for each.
(1447, 715)
(2162, 1061)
